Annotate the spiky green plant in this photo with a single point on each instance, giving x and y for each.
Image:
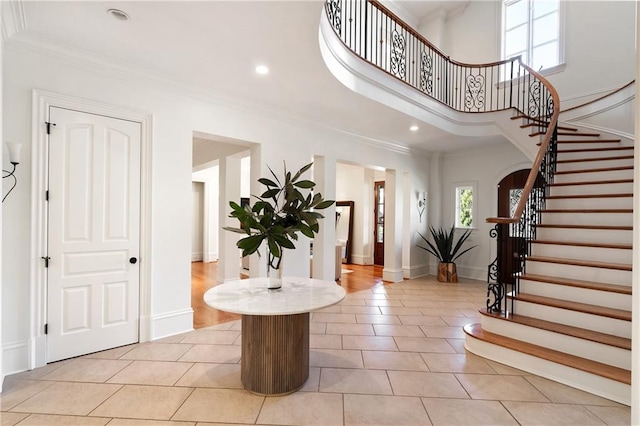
(279, 214)
(444, 246)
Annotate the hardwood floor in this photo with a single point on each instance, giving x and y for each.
(203, 277)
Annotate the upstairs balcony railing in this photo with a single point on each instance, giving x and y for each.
(376, 35)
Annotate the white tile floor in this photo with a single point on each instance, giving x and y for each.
(391, 355)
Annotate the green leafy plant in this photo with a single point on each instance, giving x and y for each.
(444, 247)
(279, 214)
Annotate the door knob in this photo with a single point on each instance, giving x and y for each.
(133, 260)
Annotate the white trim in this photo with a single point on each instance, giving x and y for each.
(172, 323)
(392, 275)
(14, 356)
(42, 100)
(13, 18)
(197, 257)
(411, 272)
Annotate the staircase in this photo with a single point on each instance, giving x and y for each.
(571, 319)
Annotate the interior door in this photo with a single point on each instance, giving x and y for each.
(93, 233)
(509, 191)
(378, 246)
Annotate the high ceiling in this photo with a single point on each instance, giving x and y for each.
(216, 45)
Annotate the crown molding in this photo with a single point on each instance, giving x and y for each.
(13, 18)
(39, 45)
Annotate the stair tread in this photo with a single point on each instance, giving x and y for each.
(581, 160)
(593, 182)
(614, 373)
(575, 306)
(609, 148)
(587, 211)
(577, 262)
(568, 330)
(621, 195)
(600, 227)
(612, 288)
(602, 169)
(545, 124)
(581, 244)
(588, 134)
(590, 141)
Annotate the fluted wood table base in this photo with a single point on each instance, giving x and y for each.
(275, 353)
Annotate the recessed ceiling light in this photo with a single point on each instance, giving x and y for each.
(118, 14)
(262, 69)
(414, 128)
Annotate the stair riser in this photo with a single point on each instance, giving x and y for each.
(585, 235)
(592, 154)
(584, 145)
(607, 219)
(598, 352)
(610, 188)
(599, 323)
(591, 383)
(591, 203)
(589, 176)
(577, 294)
(596, 254)
(580, 165)
(584, 273)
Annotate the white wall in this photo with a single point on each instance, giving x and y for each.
(197, 222)
(599, 43)
(210, 179)
(351, 185)
(486, 166)
(176, 115)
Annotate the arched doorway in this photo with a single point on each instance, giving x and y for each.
(509, 192)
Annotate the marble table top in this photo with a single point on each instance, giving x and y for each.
(296, 296)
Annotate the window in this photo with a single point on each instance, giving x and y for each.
(464, 206)
(531, 28)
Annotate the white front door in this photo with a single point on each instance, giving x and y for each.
(93, 238)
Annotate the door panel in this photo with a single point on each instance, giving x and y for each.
(509, 191)
(378, 246)
(94, 222)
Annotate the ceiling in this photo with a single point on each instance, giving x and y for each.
(215, 45)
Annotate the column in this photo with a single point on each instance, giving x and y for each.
(393, 227)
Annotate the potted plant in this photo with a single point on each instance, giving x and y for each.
(446, 250)
(281, 211)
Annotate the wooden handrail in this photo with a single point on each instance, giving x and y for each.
(600, 98)
(533, 173)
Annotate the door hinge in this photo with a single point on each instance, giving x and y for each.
(46, 329)
(49, 124)
(46, 195)
(46, 261)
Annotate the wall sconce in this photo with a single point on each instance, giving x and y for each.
(422, 204)
(14, 159)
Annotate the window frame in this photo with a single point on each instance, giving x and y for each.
(502, 12)
(456, 186)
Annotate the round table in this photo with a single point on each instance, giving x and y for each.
(275, 328)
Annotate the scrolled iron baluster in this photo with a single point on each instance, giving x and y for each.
(495, 285)
(534, 99)
(426, 73)
(334, 8)
(474, 92)
(398, 57)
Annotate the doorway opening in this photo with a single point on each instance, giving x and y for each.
(378, 245)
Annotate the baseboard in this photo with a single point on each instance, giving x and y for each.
(392, 275)
(196, 257)
(170, 323)
(15, 357)
(361, 260)
(410, 272)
